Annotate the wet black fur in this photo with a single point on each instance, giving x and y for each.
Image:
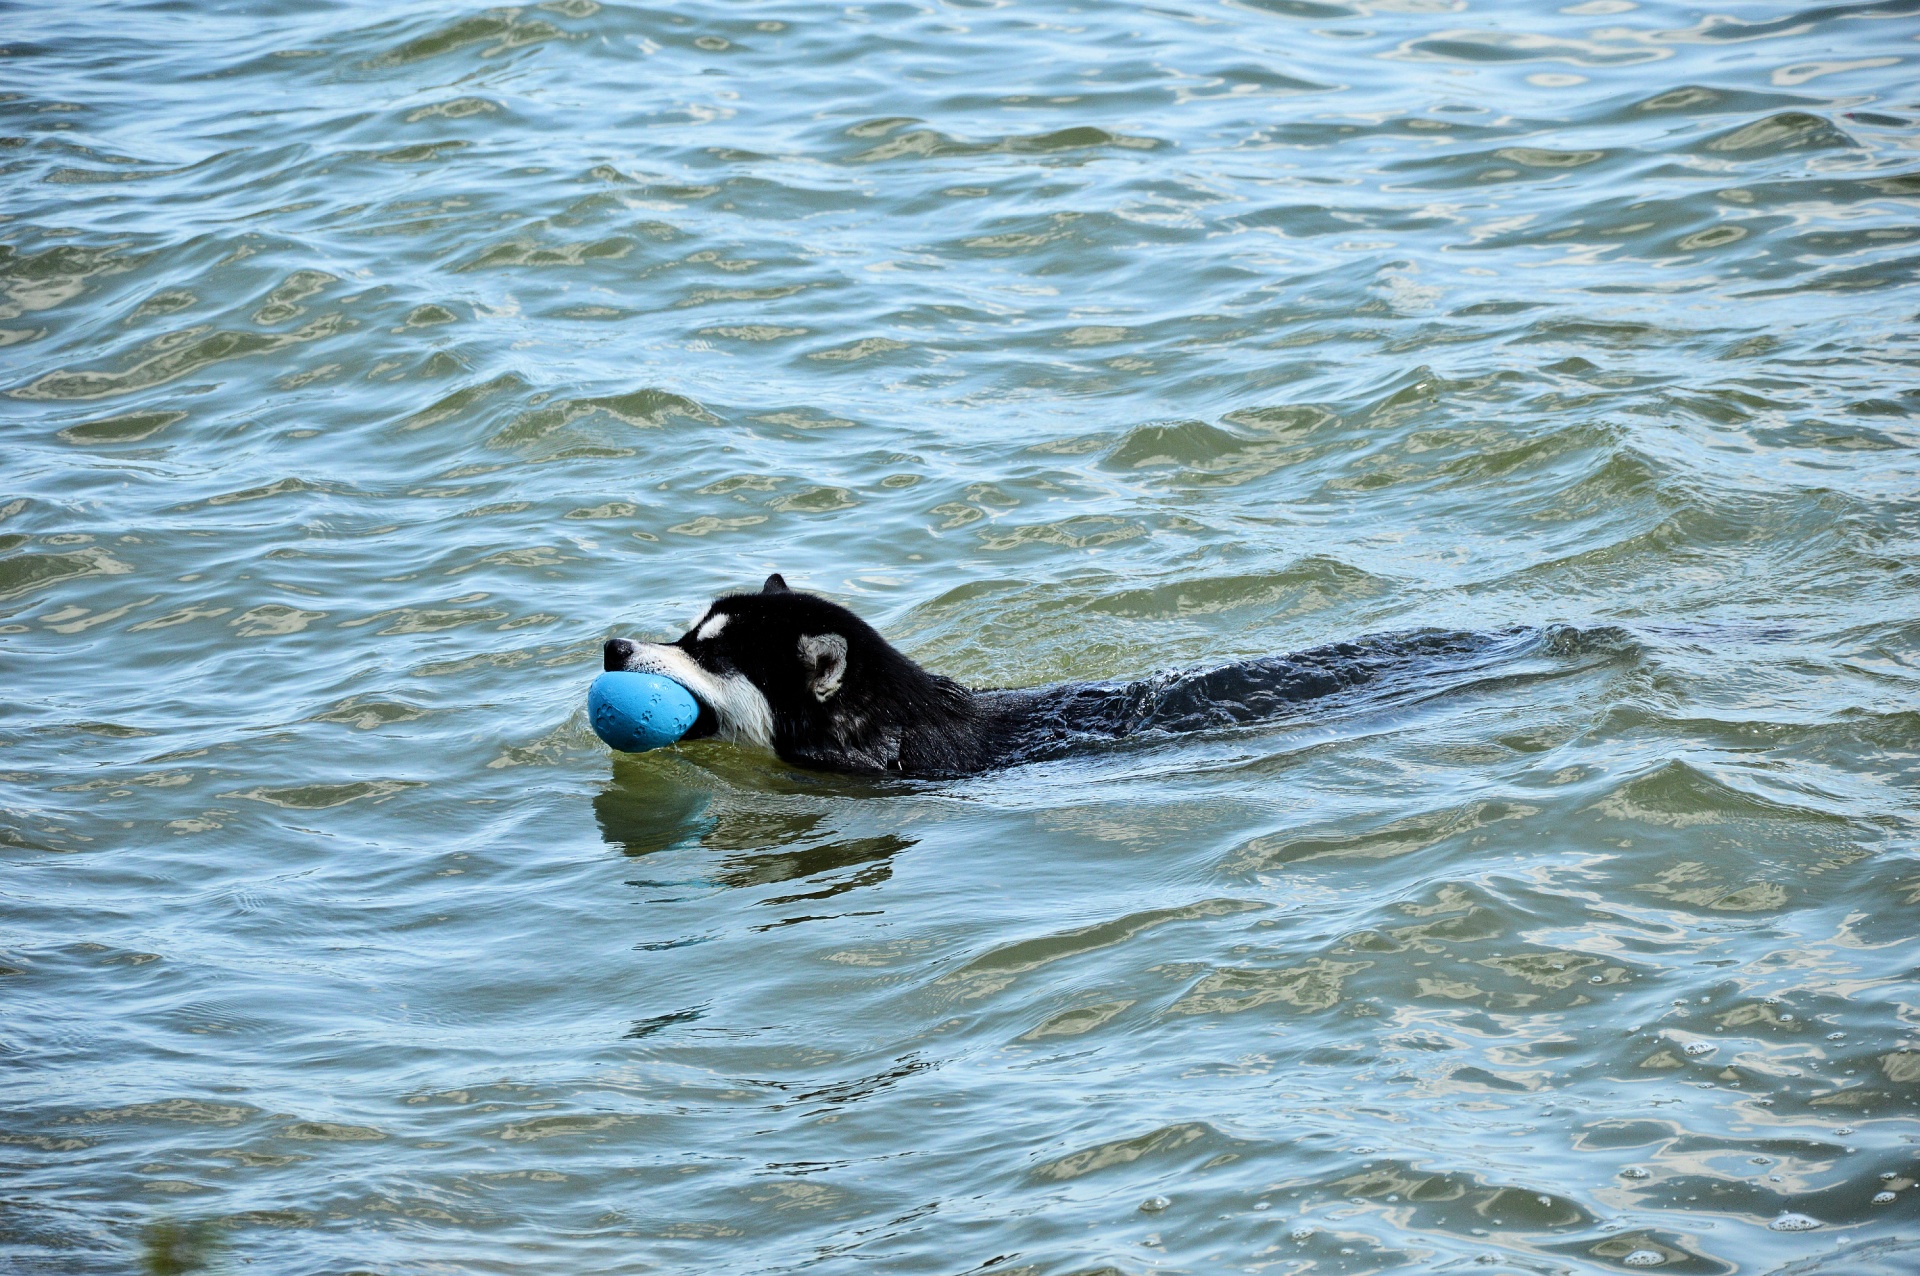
(890, 716)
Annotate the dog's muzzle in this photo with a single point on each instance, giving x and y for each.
(617, 657)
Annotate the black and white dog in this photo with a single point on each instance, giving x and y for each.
(810, 680)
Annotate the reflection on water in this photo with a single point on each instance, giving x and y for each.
(762, 843)
(644, 811)
(366, 367)
(171, 1248)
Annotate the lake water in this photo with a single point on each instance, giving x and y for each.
(365, 369)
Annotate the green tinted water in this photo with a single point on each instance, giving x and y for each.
(365, 371)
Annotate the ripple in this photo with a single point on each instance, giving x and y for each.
(1399, 837)
(1468, 45)
(555, 424)
(993, 971)
(129, 427)
(1313, 985)
(1677, 795)
(173, 356)
(319, 797)
(1304, 587)
(1787, 131)
(918, 143)
(500, 32)
(1155, 1145)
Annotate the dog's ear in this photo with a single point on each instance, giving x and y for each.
(824, 657)
(776, 584)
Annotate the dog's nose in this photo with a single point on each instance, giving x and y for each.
(616, 654)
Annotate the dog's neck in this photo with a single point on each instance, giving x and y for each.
(895, 717)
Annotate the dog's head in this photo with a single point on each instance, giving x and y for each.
(765, 667)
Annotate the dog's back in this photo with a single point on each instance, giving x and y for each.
(1049, 721)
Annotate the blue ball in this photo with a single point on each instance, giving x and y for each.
(635, 712)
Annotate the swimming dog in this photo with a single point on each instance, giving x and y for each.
(805, 677)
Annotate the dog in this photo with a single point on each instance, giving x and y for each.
(805, 677)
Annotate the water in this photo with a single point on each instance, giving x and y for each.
(365, 371)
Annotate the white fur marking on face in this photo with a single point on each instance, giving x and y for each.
(744, 714)
(713, 626)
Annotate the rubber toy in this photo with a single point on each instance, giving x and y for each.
(635, 712)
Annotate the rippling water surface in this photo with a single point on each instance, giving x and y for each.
(365, 369)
